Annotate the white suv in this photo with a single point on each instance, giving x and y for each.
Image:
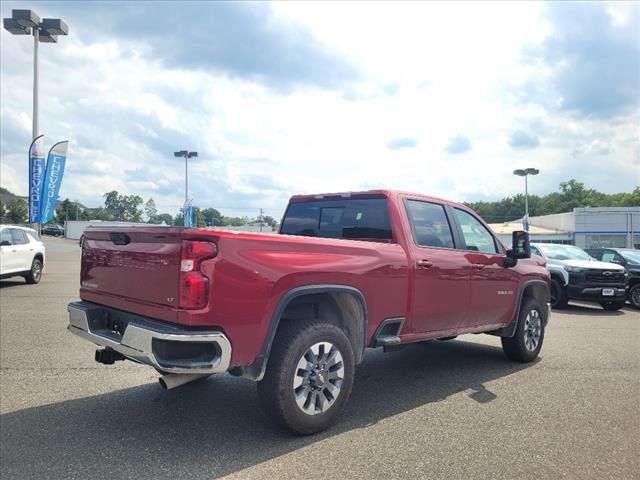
(21, 253)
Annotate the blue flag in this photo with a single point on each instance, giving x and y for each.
(52, 180)
(36, 174)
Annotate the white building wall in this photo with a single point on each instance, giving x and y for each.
(607, 227)
(559, 221)
(597, 226)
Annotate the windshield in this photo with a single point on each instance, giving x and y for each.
(563, 252)
(630, 255)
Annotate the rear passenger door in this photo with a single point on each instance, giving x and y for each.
(494, 288)
(22, 255)
(440, 280)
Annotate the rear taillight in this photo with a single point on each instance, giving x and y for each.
(194, 286)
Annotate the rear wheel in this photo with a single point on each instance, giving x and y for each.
(612, 306)
(525, 345)
(558, 293)
(309, 376)
(634, 296)
(35, 274)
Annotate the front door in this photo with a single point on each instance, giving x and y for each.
(493, 287)
(440, 293)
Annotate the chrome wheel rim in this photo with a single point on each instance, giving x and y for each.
(36, 271)
(318, 378)
(532, 330)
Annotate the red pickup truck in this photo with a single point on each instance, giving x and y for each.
(295, 311)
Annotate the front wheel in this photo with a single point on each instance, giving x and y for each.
(558, 294)
(612, 306)
(634, 296)
(35, 274)
(526, 343)
(309, 376)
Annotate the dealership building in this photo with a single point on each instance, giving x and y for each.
(587, 227)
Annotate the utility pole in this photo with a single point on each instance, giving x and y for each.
(261, 217)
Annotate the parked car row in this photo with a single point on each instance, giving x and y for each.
(21, 253)
(54, 230)
(591, 275)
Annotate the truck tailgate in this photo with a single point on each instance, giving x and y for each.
(142, 264)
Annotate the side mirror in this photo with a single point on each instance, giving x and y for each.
(5, 243)
(520, 248)
(520, 244)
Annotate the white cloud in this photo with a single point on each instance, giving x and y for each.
(428, 73)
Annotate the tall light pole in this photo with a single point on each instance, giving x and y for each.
(27, 22)
(187, 155)
(525, 173)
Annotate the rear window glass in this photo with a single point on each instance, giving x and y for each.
(18, 237)
(364, 219)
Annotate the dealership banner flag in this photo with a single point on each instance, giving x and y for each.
(36, 174)
(52, 180)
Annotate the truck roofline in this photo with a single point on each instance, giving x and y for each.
(363, 193)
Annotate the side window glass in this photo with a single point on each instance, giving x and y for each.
(18, 237)
(476, 236)
(535, 251)
(608, 256)
(5, 236)
(429, 224)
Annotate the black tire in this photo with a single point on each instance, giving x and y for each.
(519, 347)
(559, 297)
(35, 274)
(276, 390)
(634, 296)
(612, 306)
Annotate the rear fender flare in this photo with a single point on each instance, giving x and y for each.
(257, 369)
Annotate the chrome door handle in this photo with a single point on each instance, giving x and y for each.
(424, 264)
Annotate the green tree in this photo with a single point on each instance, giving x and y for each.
(16, 212)
(164, 217)
(151, 211)
(212, 217)
(572, 194)
(123, 207)
(235, 221)
(269, 221)
(68, 210)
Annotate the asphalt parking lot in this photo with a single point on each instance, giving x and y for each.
(440, 410)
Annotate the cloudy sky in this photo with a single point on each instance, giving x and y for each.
(286, 98)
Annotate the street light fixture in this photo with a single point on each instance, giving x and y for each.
(525, 173)
(186, 154)
(47, 30)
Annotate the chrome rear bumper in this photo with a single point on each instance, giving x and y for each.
(165, 347)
